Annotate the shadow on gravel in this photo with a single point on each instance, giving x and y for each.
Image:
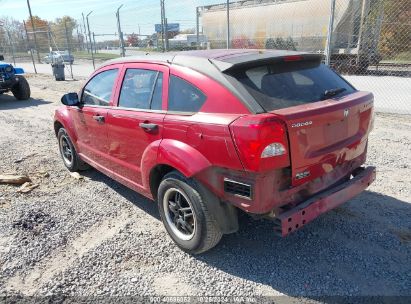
(8, 102)
(361, 248)
(136, 199)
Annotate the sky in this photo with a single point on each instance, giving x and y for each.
(135, 14)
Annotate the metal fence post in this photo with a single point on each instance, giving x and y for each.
(94, 43)
(198, 27)
(328, 49)
(68, 48)
(85, 33)
(89, 36)
(120, 33)
(11, 47)
(28, 45)
(228, 24)
(166, 26)
(360, 35)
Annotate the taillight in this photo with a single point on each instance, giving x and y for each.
(292, 58)
(261, 141)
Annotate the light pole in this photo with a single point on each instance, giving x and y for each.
(120, 33)
(89, 39)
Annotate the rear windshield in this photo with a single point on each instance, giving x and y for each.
(286, 84)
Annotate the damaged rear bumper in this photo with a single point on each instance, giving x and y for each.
(308, 210)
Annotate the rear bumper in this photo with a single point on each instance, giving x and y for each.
(307, 211)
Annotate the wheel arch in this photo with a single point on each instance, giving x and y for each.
(62, 119)
(224, 214)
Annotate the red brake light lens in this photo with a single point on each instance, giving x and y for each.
(261, 141)
(293, 58)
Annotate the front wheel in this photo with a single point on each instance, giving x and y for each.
(21, 90)
(185, 215)
(68, 153)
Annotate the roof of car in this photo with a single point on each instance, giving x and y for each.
(223, 59)
(213, 62)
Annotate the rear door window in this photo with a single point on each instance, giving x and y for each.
(286, 84)
(183, 96)
(141, 89)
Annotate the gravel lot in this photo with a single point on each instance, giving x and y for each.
(96, 237)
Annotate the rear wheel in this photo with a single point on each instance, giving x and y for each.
(21, 90)
(185, 214)
(68, 153)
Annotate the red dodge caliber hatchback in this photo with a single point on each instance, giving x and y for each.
(276, 134)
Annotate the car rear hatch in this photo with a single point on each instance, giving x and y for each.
(323, 135)
(327, 120)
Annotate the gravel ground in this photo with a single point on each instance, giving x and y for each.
(96, 237)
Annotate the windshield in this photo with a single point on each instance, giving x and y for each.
(286, 84)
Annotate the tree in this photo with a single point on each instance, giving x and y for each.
(395, 32)
(11, 34)
(42, 36)
(132, 40)
(281, 44)
(58, 31)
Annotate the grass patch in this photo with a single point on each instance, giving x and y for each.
(85, 55)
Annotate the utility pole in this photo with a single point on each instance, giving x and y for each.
(328, 48)
(68, 48)
(34, 32)
(85, 33)
(89, 36)
(120, 33)
(28, 45)
(163, 26)
(228, 24)
(198, 27)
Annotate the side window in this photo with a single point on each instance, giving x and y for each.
(141, 89)
(183, 96)
(98, 90)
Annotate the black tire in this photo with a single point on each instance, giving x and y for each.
(21, 90)
(206, 233)
(73, 163)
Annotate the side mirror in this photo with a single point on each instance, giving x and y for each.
(70, 99)
(1, 58)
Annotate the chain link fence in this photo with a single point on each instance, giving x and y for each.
(368, 41)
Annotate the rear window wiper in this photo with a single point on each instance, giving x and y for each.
(332, 92)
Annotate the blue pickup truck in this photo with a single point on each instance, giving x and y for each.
(12, 79)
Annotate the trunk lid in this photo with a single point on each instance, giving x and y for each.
(325, 134)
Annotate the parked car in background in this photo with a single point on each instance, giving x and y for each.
(276, 134)
(59, 57)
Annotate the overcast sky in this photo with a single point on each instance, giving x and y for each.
(134, 14)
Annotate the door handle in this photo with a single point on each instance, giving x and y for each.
(148, 127)
(98, 118)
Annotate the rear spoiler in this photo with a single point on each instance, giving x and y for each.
(261, 58)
